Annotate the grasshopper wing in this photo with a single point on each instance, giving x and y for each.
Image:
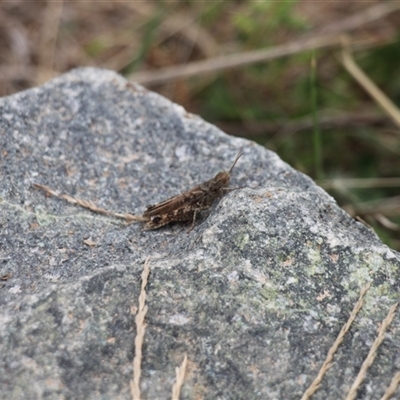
(174, 203)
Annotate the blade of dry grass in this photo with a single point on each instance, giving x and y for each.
(48, 39)
(372, 354)
(391, 390)
(230, 61)
(284, 128)
(358, 183)
(140, 330)
(180, 376)
(389, 206)
(314, 41)
(328, 361)
(373, 13)
(386, 222)
(183, 23)
(90, 205)
(369, 86)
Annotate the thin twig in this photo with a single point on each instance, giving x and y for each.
(313, 41)
(372, 353)
(369, 86)
(391, 390)
(90, 205)
(180, 376)
(328, 361)
(140, 329)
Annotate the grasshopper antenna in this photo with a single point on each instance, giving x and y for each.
(237, 158)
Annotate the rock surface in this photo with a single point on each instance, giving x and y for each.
(255, 294)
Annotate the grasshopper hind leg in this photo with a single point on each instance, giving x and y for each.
(193, 221)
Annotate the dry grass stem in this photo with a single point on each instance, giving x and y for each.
(230, 61)
(140, 329)
(371, 14)
(51, 21)
(391, 390)
(180, 376)
(90, 205)
(283, 129)
(313, 41)
(369, 86)
(359, 183)
(388, 207)
(328, 361)
(386, 222)
(183, 23)
(372, 353)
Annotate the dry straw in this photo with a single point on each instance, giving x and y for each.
(89, 205)
(328, 361)
(140, 329)
(180, 376)
(372, 354)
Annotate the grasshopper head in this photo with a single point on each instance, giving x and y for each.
(223, 178)
(220, 181)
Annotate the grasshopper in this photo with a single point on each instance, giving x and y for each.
(186, 206)
(183, 207)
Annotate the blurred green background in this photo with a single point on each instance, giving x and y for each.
(305, 106)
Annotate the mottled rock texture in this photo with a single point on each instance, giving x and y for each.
(255, 294)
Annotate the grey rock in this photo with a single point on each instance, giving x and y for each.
(255, 294)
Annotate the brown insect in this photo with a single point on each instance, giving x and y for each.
(183, 207)
(187, 205)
